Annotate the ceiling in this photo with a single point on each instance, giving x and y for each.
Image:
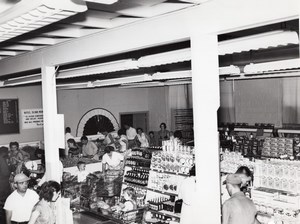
(101, 17)
(98, 18)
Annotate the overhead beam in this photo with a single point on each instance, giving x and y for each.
(43, 41)
(20, 47)
(8, 53)
(217, 16)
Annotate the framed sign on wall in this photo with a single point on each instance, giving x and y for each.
(9, 116)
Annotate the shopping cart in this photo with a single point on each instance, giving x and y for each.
(130, 217)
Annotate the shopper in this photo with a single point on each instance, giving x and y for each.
(112, 160)
(4, 175)
(15, 155)
(163, 133)
(123, 141)
(152, 139)
(131, 134)
(187, 192)
(108, 139)
(130, 199)
(44, 212)
(238, 208)
(246, 177)
(73, 148)
(19, 204)
(68, 136)
(89, 149)
(82, 173)
(142, 137)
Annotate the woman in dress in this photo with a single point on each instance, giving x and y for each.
(43, 212)
(163, 133)
(142, 137)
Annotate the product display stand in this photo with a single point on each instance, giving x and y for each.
(169, 167)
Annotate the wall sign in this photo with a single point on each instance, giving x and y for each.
(9, 116)
(32, 118)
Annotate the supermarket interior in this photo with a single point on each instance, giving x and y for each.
(149, 112)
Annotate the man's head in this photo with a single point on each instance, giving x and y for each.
(126, 126)
(13, 146)
(84, 140)
(21, 182)
(233, 183)
(81, 165)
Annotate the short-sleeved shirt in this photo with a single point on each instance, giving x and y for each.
(114, 160)
(131, 133)
(47, 214)
(90, 149)
(81, 175)
(239, 209)
(21, 206)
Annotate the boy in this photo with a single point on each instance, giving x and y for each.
(81, 173)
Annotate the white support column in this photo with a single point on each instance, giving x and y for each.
(50, 120)
(206, 101)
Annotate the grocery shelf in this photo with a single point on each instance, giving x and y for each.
(139, 167)
(168, 172)
(162, 192)
(252, 130)
(135, 185)
(166, 213)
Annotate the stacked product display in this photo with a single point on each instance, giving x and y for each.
(169, 168)
(276, 186)
(278, 147)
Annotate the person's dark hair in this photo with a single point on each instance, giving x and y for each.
(151, 132)
(245, 170)
(47, 190)
(3, 151)
(178, 134)
(13, 143)
(164, 124)
(98, 140)
(80, 163)
(68, 130)
(72, 141)
(193, 170)
(109, 149)
(121, 132)
(139, 129)
(83, 138)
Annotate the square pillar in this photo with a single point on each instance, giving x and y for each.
(50, 124)
(206, 101)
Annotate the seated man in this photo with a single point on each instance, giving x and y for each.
(89, 149)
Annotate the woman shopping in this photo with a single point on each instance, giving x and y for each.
(43, 212)
(112, 160)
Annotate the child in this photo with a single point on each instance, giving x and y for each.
(130, 202)
(81, 173)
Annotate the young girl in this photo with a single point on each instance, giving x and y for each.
(130, 199)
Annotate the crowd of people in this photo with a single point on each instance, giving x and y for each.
(25, 195)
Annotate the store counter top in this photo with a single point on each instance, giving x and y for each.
(90, 218)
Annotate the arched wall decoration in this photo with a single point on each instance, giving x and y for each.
(94, 112)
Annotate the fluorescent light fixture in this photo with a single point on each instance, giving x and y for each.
(28, 15)
(23, 80)
(106, 2)
(113, 66)
(271, 75)
(172, 75)
(156, 84)
(260, 41)
(229, 70)
(165, 58)
(81, 85)
(119, 81)
(272, 66)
